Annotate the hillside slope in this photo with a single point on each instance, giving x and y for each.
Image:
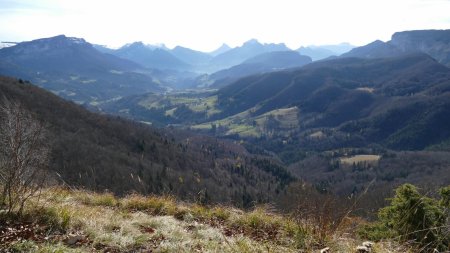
(332, 93)
(102, 152)
(396, 102)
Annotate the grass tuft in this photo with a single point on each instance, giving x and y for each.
(259, 219)
(56, 217)
(23, 246)
(212, 214)
(97, 199)
(155, 205)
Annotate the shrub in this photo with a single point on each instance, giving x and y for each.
(415, 218)
(23, 156)
(445, 198)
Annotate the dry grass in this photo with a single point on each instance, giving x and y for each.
(95, 199)
(161, 224)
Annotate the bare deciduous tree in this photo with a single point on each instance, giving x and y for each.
(23, 156)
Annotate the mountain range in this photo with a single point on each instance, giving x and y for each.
(74, 69)
(357, 91)
(373, 95)
(265, 62)
(185, 59)
(435, 43)
(150, 57)
(321, 52)
(93, 74)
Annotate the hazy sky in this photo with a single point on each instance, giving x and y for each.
(206, 24)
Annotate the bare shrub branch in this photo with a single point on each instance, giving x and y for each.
(23, 156)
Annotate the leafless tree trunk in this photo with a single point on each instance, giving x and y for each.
(23, 156)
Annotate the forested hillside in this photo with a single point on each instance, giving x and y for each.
(101, 152)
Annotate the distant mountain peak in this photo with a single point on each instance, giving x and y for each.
(375, 49)
(376, 42)
(135, 44)
(76, 40)
(251, 42)
(59, 43)
(64, 37)
(179, 47)
(222, 49)
(140, 44)
(150, 56)
(249, 49)
(319, 52)
(59, 39)
(255, 42)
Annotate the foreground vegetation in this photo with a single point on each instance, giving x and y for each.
(415, 218)
(64, 220)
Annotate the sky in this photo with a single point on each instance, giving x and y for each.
(205, 24)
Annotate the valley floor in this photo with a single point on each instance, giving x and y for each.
(79, 221)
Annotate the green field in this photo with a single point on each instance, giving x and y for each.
(369, 159)
(170, 103)
(245, 124)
